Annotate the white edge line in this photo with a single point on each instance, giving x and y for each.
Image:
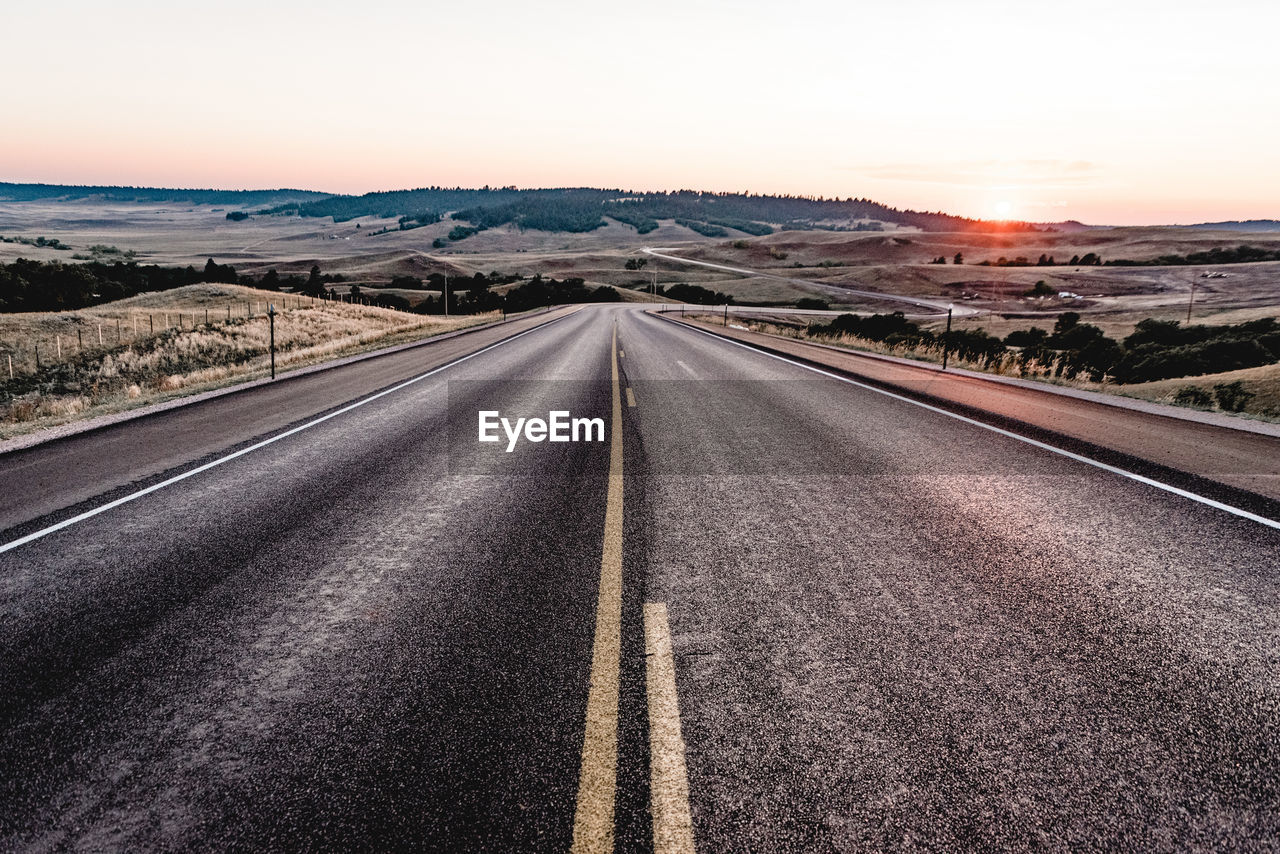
(1209, 502)
(110, 505)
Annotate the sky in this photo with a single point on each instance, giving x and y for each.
(1108, 113)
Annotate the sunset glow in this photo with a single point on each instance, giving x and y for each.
(1119, 115)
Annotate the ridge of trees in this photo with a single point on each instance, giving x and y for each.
(579, 209)
(36, 192)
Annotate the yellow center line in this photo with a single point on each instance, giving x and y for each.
(668, 777)
(631, 398)
(593, 824)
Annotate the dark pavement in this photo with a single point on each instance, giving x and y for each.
(891, 628)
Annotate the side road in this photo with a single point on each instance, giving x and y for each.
(59, 473)
(1246, 460)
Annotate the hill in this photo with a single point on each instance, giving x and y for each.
(1240, 225)
(37, 192)
(580, 209)
(565, 210)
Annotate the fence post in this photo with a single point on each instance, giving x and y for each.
(58, 339)
(151, 319)
(946, 340)
(79, 341)
(10, 358)
(99, 334)
(118, 338)
(271, 315)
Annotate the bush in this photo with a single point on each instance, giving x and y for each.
(1232, 397)
(1194, 397)
(812, 304)
(1040, 290)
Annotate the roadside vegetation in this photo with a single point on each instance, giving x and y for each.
(1240, 363)
(162, 345)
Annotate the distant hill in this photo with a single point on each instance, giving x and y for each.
(580, 209)
(38, 192)
(1240, 225)
(571, 209)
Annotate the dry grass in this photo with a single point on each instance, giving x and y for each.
(183, 354)
(1262, 382)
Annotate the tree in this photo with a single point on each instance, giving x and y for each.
(315, 282)
(1065, 321)
(959, 259)
(1041, 289)
(271, 281)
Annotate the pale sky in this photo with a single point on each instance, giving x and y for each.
(1106, 112)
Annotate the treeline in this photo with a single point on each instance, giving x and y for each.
(37, 192)
(1089, 259)
(1242, 254)
(475, 295)
(583, 209)
(695, 294)
(54, 286)
(1156, 350)
(45, 242)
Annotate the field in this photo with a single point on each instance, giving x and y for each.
(370, 252)
(60, 366)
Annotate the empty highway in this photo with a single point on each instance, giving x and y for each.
(767, 610)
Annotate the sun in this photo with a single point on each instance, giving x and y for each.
(1004, 209)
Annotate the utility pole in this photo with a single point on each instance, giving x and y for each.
(271, 313)
(1191, 301)
(446, 295)
(946, 338)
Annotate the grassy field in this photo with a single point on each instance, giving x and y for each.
(1262, 382)
(157, 346)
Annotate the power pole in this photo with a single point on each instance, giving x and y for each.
(1191, 301)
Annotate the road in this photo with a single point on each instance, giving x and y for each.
(771, 610)
(934, 305)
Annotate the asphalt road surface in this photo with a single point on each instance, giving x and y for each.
(769, 611)
(933, 305)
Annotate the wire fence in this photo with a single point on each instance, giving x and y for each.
(74, 337)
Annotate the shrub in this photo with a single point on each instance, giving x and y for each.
(1194, 397)
(1040, 290)
(1232, 397)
